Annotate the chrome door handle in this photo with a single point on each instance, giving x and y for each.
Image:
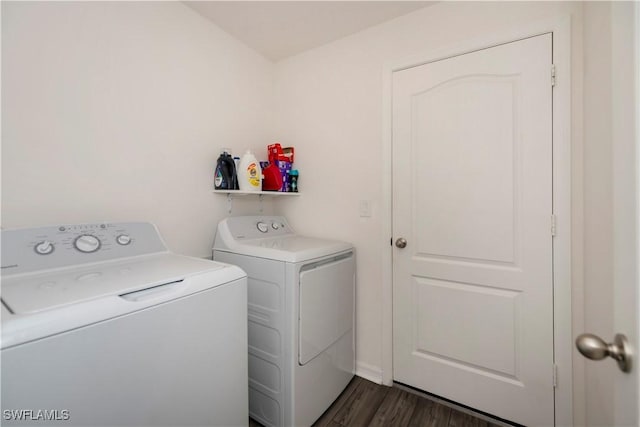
(593, 347)
(401, 243)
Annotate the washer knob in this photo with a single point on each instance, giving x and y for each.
(275, 225)
(263, 227)
(44, 248)
(87, 243)
(123, 239)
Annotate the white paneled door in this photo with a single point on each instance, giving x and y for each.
(472, 199)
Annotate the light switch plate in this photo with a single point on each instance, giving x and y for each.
(364, 208)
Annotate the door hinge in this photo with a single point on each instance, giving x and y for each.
(553, 75)
(555, 375)
(553, 225)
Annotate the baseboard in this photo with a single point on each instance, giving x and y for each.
(369, 372)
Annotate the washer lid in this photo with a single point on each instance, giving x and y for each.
(49, 289)
(291, 248)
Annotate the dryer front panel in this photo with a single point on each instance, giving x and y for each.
(326, 304)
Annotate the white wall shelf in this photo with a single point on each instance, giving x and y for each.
(232, 193)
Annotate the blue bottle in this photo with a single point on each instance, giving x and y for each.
(293, 180)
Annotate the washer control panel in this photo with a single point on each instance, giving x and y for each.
(32, 249)
(89, 240)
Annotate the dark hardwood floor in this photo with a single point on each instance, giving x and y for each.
(364, 403)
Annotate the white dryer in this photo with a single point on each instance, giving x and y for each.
(301, 316)
(102, 325)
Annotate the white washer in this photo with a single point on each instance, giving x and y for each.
(301, 316)
(101, 325)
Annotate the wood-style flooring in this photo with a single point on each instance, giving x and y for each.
(367, 404)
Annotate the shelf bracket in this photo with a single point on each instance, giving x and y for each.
(229, 203)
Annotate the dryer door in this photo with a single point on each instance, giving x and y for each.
(326, 304)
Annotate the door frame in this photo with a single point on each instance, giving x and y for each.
(566, 315)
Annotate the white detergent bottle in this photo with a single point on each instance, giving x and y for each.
(249, 173)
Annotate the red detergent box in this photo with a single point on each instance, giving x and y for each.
(283, 158)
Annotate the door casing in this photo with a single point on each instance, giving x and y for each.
(565, 312)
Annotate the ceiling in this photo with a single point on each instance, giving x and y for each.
(278, 29)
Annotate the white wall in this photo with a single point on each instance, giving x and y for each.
(329, 105)
(598, 206)
(115, 111)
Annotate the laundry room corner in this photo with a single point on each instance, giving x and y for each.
(118, 110)
(461, 215)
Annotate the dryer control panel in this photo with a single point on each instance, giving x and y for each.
(32, 249)
(256, 227)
